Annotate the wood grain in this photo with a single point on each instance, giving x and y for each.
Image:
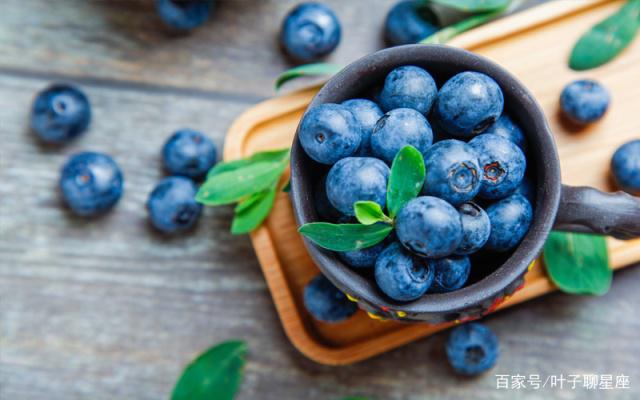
(107, 309)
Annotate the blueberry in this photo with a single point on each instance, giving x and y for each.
(91, 183)
(509, 130)
(327, 303)
(510, 220)
(309, 32)
(329, 132)
(60, 113)
(184, 15)
(357, 179)
(401, 275)
(468, 103)
(364, 258)
(408, 22)
(450, 273)
(502, 163)
(625, 166)
(452, 171)
(399, 128)
(584, 101)
(408, 87)
(189, 153)
(367, 113)
(429, 227)
(472, 348)
(476, 228)
(527, 189)
(172, 206)
(326, 211)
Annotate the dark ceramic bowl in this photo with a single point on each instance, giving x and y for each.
(557, 206)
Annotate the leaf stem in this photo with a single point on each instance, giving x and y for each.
(446, 34)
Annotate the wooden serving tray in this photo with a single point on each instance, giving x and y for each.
(533, 45)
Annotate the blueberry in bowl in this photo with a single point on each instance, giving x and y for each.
(460, 237)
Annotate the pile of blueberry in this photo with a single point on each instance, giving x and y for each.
(92, 183)
(475, 196)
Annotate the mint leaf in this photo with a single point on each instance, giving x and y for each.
(234, 185)
(578, 263)
(215, 374)
(307, 70)
(606, 39)
(250, 213)
(270, 155)
(369, 212)
(345, 237)
(406, 180)
(473, 6)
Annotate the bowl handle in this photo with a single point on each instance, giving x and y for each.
(588, 210)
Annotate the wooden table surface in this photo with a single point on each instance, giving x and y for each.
(109, 309)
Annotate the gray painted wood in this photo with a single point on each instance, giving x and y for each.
(108, 309)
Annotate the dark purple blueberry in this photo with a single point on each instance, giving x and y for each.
(355, 179)
(60, 113)
(310, 31)
(503, 165)
(401, 275)
(327, 303)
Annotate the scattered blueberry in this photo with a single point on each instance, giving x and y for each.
(401, 275)
(450, 273)
(357, 179)
(367, 113)
(468, 103)
(625, 166)
(189, 153)
(399, 128)
(509, 130)
(408, 22)
(503, 165)
(429, 227)
(510, 220)
(91, 183)
(476, 228)
(329, 132)
(184, 15)
(60, 113)
(472, 348)
(408, 87)
(584, 101)
(452, 171)
(364, 258)
(310, 31)
(172, 206)
(527, 189)
(327, 303)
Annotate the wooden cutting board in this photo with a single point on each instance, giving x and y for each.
(534, 45)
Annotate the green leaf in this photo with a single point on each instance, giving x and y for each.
(307, 70)
(215, 374)
(446, 34)
(250, 215)
(578, 263)
(234, 185)
(406, 180)
(345, 237)
(270, 155)
(606, 39)
(473, 6)
(369, 212)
